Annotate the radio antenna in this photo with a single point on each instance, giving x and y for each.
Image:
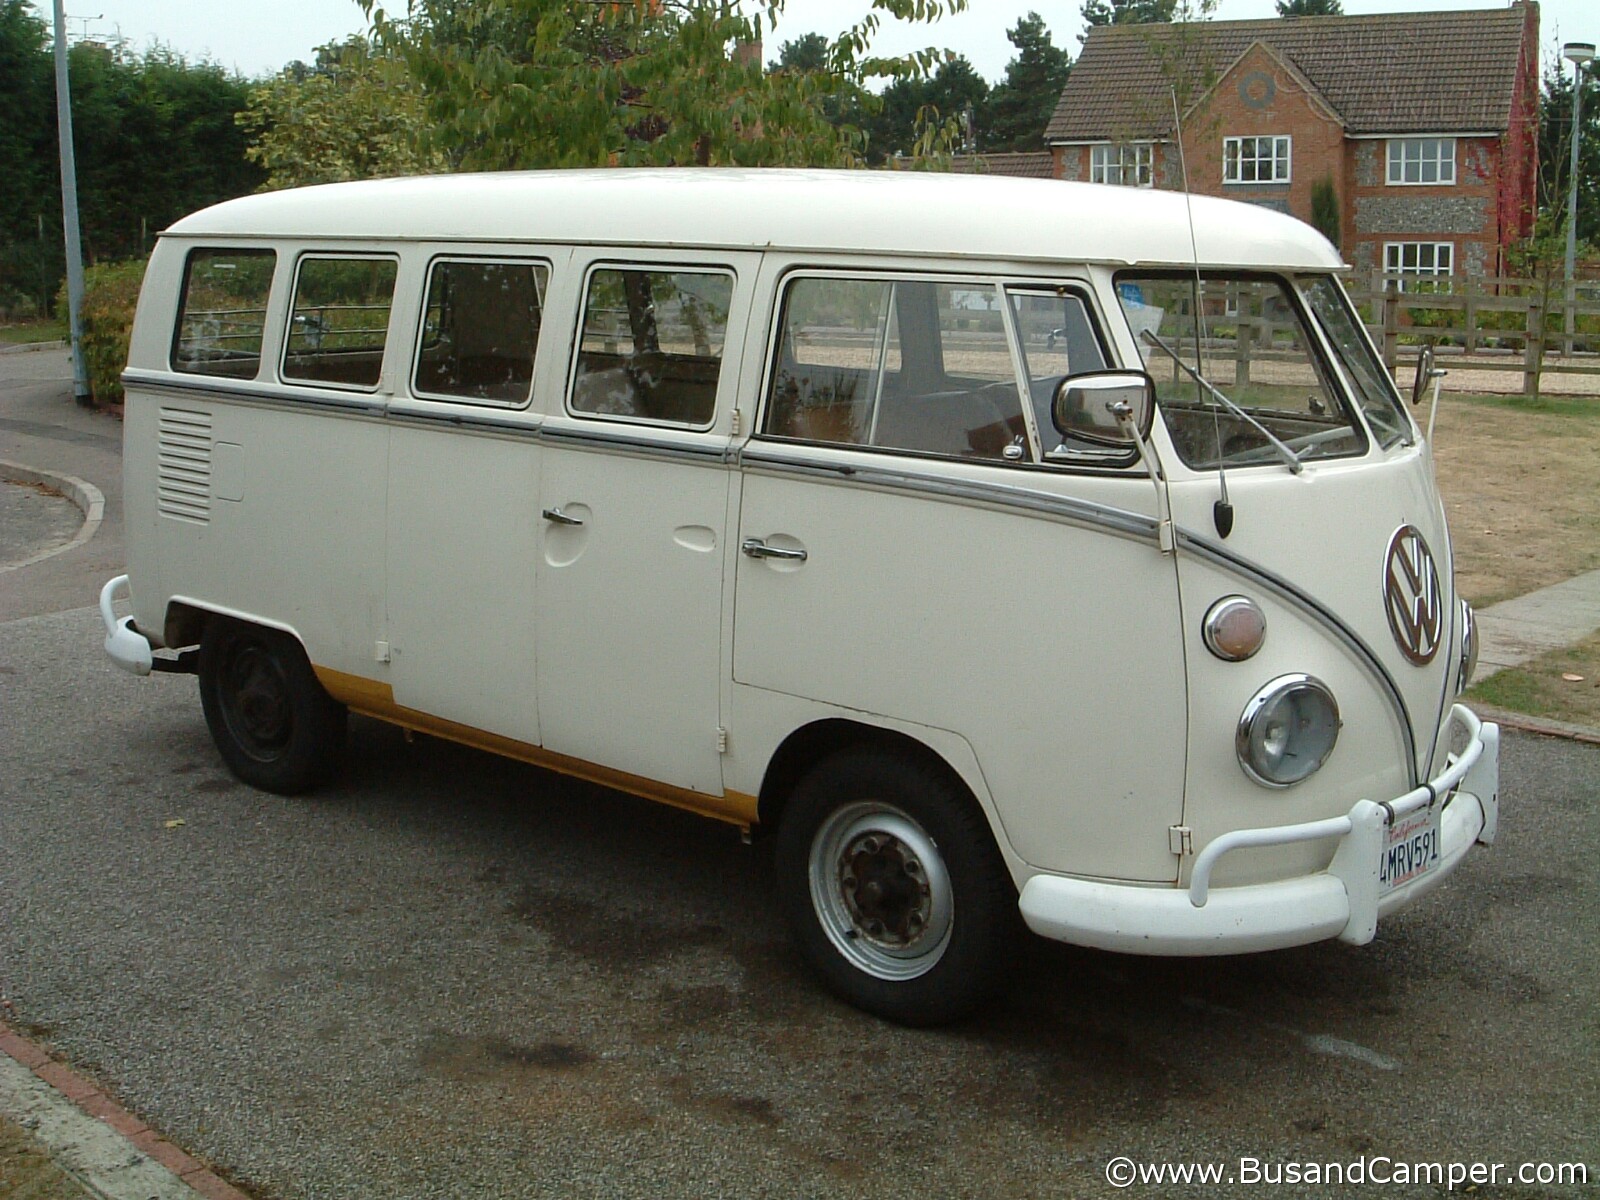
(1222, 510)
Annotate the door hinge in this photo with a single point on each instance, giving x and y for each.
(1181, 839)
(738, 423)
(722, 740)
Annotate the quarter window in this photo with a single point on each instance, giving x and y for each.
(222, 312)
(340, 321)
(651, 347)
(1255, 160)
(1422, 161)
(1421, 265)
(480, 329)
(910, 364)
(1126, 164)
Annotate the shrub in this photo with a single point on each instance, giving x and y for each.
(110, 294)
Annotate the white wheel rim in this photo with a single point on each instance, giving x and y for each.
(881, 891)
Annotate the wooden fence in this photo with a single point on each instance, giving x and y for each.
(1504, 324)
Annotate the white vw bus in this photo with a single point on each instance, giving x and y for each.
(1011, 549)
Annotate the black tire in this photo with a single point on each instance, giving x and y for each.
(275, 726)
(894, 889)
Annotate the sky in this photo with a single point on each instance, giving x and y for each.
(257, 38)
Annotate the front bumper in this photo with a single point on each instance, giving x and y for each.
(1344, 901)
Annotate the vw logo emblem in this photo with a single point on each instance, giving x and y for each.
(1411, 596)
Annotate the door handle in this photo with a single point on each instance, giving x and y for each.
(756, 548)
(556, 517)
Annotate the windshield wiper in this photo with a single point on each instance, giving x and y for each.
(1290, 458)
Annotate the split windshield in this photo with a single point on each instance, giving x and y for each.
(1237, 374)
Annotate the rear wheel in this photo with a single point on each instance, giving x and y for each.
(894, 889)
(275, 726)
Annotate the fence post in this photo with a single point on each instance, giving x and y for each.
(1391, 325)
(1470, 319)
(1533, 345)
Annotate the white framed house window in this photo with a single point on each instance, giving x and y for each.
(1419, 263)
(1422, 161)
(1255, 159)
(1127, 164)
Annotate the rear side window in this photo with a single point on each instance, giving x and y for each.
(480, 330)
(908, 364)
(222, 311)
(651, 346)
(340, 321)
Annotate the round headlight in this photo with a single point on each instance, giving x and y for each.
(1234, 628)
(1469, 647)
(1287, 730)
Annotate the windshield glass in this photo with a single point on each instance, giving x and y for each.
(1259, 380)
(1373, 387)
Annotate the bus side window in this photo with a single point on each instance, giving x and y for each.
(340, 321)
(651, 345)
(221, 312)
(909, 364)
(480, 330)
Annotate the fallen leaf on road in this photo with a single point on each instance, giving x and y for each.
(1571, 678)
(178, 823)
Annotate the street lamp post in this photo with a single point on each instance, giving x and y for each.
(69, 212)
(1577, 53)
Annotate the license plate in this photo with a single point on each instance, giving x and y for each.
(1411, 849)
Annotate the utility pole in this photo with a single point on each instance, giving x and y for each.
(69, 212)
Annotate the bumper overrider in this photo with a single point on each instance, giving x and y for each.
(1343, 902)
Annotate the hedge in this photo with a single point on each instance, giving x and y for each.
(110, 294)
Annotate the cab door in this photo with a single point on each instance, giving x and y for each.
(914, 547)
(633, 521)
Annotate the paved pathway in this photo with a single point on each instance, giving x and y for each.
(1515, 631)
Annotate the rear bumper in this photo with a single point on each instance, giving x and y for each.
(1345, 901)
(127, 647)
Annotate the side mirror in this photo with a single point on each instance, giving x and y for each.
(1091, 407)
(1425, 368)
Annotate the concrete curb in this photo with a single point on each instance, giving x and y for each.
(81, 492)
(92, 1137)
(29, 347)
(1540, 725)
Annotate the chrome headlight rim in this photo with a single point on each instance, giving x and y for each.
(1467, 666)
(1263, 701)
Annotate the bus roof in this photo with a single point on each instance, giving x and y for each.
(883, 212)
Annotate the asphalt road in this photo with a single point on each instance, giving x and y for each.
(454, 975)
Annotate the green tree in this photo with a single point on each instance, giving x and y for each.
(1555, 150)
(548, 83)
(1325, 210)
(1128, 12)
(1020, 106)
(30, 216)
(808, 52)
(354, 114)
(919, 113)
(1310, 8)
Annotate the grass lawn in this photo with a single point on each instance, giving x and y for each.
(1521, 486)
(1546, 687)
(32, 331)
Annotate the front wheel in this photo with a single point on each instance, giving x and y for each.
(894, 889)
(275, 726)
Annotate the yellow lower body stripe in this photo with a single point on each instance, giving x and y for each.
(374, 699)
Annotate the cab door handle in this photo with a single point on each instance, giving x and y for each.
(756, 548)
(556, 517)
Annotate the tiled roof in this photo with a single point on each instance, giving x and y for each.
(1445, 72)
(1038, 165)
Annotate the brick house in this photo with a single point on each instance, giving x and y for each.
(1424, 124)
